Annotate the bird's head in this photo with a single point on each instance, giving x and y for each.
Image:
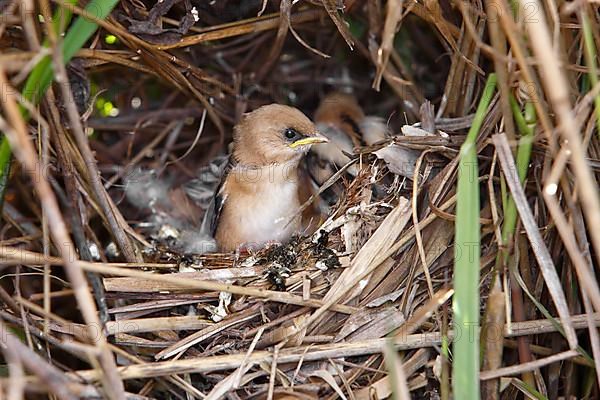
(274, 134)
(341, 111)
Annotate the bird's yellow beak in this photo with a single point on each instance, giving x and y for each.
(309, 140)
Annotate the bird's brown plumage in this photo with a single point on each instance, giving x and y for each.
(340, 118)
(258, 198)
(258, 138)
(341, 111)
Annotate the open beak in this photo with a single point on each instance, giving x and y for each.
(309, 140)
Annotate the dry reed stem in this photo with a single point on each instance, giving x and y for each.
(528, 366)
(537, 243)
(61, 385)
(557, 90)
(319, 352)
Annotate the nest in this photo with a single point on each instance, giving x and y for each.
(104, 296)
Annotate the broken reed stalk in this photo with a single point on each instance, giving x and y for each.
(465, 365)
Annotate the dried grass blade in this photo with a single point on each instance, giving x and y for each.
(396, 372)
(537, 243)
(312, 352)
(557, 89)
(232, 382)
(60, 384)
(332, 10)
(530, 366)
(392, 19)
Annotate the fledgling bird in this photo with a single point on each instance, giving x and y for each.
(341, 119)
(257, 199)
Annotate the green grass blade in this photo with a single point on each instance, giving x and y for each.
(42, 75)
(60, 19)
(465, 366)
(590, 60)
(5, 155)
(530, 392)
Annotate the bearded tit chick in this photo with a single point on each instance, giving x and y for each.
(340, 118)
(257, 200)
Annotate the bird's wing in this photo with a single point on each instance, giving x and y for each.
(203, 188)
(213, 212)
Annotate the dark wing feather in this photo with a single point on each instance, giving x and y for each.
(213, 212)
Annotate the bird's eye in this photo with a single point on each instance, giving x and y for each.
(291, 133)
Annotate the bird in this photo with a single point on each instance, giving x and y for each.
(341, 119)
(257, 200)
